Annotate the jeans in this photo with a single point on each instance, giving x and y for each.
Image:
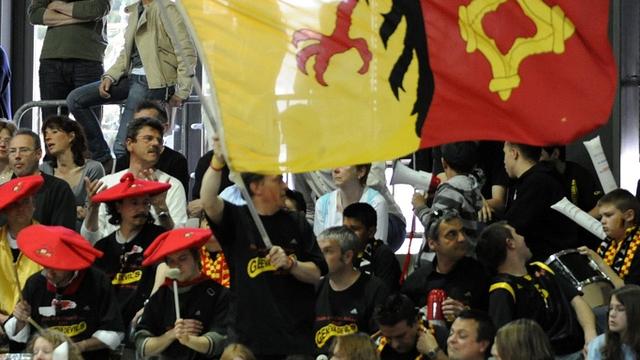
(58, 77)
(84, 102)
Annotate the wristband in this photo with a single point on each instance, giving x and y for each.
(216, 165)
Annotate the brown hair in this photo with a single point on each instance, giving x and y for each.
(56, 338)
(356, 346)
(629, 296)
(523, 339)
(5, 124)
(237, 351)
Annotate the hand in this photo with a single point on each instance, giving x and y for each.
(175, 101)
(105, 86)
(278, 258)
(57, 5)
(92, 188)
(194, 208)
(590, 253)
(159, 202)
(588, 337)
(485, 214)
(184, 328)
(426, 342)
(217, 150)
(22, 311)
(81, 212)
(137, 317)
(451, 308)
(418, 200)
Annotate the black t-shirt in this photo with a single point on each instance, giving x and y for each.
(467, 282)
(545, 230)
(122, 263)
(273, 310)
(87, 305)
(347, 311)
(206, 301)
(542, 297)
(378, 259)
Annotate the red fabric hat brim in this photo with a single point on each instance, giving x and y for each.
(129, 187)
(173, 241)
(19, 188)
(57, 247)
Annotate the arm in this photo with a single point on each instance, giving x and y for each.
(86, 10)
(615, 279)
(585, 317)
(306, 271)
(36, 11)
(149, 345)
(382, 212)
(53, 18)
(498, 194)
(212, 204)
(90, 344)
(187, 54)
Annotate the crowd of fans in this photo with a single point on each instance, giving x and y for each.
(96, 260)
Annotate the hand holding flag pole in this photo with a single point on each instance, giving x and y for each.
(173, 274)
(17, 278)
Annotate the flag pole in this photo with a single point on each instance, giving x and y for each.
(17, 279)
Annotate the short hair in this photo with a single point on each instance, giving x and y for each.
(362, 212)
(114, 215)
(153, 105)
(623, 200)
(629, 296)
(34, 137)
(491, 248)
(562, 151)
(486, 328)
(523, 339)
(237, 351)
(394, 309)
(437, 217)
(10, 126)
(357, 346)
(298, 198)
(137, 124)
(460, 156)
(366, 168)
(346, 239)
(79, 143)
(249, 178)
(529, 152)
(55, 338)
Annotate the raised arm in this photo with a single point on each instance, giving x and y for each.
(212, 204)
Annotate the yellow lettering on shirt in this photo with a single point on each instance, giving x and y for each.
(127, 278)
(258, 265)
(71, 330)
(327, 332)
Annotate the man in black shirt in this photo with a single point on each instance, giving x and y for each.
(463, 279)
(534, 292)
(373, 256)
(346, 297)
(273, 287)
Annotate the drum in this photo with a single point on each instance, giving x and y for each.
(584, 274)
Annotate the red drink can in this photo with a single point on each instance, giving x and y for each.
(434, 304)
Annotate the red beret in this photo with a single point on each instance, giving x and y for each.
(173, 241)
(56, 247)
(128, 187)
(19, 188)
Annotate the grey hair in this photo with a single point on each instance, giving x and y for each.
(437, 217)
(346, 239)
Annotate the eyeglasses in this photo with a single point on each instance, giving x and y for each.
(5, 140)
(147, 139)
(20, 151)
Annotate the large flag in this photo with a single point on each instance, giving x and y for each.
(303, 85)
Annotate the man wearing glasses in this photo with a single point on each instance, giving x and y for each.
(144, 144)
(55, 203)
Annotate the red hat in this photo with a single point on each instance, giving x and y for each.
(128, 187)
(19, 188)
(173, 241)
(57, 247)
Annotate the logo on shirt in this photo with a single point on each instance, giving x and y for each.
(71, 330)
(353, 311)
(327, 332)
(258, 265)
(127, 278)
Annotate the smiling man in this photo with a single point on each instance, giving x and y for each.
(471, 336)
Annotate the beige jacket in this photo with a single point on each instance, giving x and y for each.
(157, 48)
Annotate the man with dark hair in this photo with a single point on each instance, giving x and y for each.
(462, 278)
(402, 335)
(460, 192)
(373, 256)
(471, 336)
(346, 297)
(535, 292)
(55, 203)
(273, 287)
(536, 187)
(616, 256)
(170, 161)
(144, 139)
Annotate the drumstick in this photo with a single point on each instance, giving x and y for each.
(174, 273)
(29, 319)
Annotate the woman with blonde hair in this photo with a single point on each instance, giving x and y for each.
(7, 129)
(356, 346)
(622, 339)
(522, 339)
(44, 343)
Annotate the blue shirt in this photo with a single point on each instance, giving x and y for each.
(596, 345)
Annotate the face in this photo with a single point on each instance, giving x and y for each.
(57, 277)
(519, 244)
(184, 261)
(359, 229)
(147, 146)
(402, 336)
(613, 220)
(271, 189)
(57, 141)
(336, 260)
(617, 316)
(462, 343)
(452, 242)
(21, 211)
(42, 349)
(345, 175)
(23, 155)
(510, 156)
(150, 113)
(134, 211)
(5, 138)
